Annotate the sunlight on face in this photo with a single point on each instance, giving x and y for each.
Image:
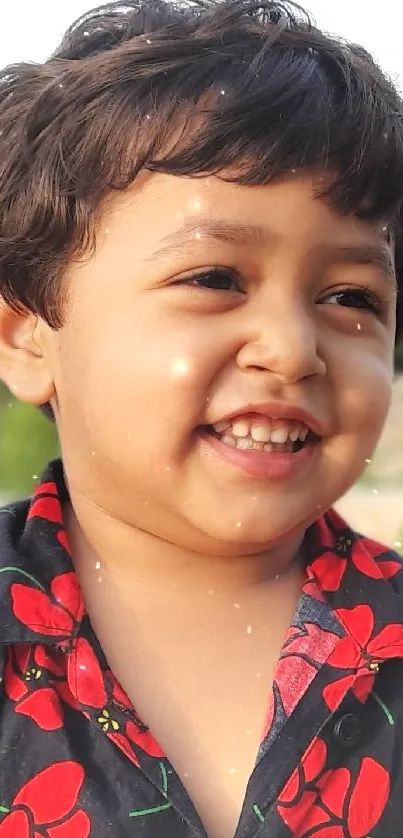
(208, 299)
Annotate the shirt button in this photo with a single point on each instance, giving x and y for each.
(347, 730)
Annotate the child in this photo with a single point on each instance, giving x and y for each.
(200, 237)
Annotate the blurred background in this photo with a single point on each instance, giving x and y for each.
(30, 31)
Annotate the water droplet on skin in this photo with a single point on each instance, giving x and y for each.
(237, 605)
(97, 565)
(107, 231)
(196, 205)
(93, 453)
(99, 579)
(368, 461)
(15, 387)
(232, 771)
(239, 524)
(359, 326)
(258, 675)
(198, 236)
(128, 437)
(210, 593)
(375, 491)
(277, 576)
(397, 544)
(248, 629)
(167, 468)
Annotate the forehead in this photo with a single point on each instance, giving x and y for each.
(159, 208)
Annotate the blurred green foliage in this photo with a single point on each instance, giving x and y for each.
(28, 441)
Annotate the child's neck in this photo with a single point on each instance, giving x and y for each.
(131, 557)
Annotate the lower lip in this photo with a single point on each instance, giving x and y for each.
(263, 465)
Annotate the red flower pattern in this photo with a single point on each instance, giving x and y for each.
(305, 649)
(49, 799)
(98, 690)
(345, 808)
(24, 673)
(41, 680)
(339, 546)
(360, 651)
(54, 614)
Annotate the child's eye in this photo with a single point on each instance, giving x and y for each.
(216, 279)
(359, 298)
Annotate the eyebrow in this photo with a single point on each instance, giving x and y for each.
(194, 229)
(203, 227)
(375, 254)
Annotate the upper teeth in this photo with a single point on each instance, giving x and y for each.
(264, 430)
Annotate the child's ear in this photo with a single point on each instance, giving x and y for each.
(24, 362)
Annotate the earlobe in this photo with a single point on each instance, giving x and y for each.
(24, 365)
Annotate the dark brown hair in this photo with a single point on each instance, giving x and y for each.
(246, 90)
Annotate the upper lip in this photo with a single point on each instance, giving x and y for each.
(278, 410)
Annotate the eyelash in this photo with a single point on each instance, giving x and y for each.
(364, 297)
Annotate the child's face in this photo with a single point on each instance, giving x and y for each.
(145, 359)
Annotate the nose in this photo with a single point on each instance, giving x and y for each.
(284, 344)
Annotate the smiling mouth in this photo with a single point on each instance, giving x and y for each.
(261, 434)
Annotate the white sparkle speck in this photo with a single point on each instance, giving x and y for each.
(232, 771)
(375, 492)
(368, 461)
(398, 544)
(249, 630)
(239, 524)
(236, 605)
(359, 326)
(99, 579)
(180, 367)
(34, 477)
(97, 565)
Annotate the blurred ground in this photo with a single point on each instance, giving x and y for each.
(375, 505)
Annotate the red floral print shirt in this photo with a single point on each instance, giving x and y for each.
(77, 761)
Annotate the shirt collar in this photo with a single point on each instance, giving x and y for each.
(40, 599)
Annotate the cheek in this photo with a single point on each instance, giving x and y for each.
(141, 381)
(363, 389)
